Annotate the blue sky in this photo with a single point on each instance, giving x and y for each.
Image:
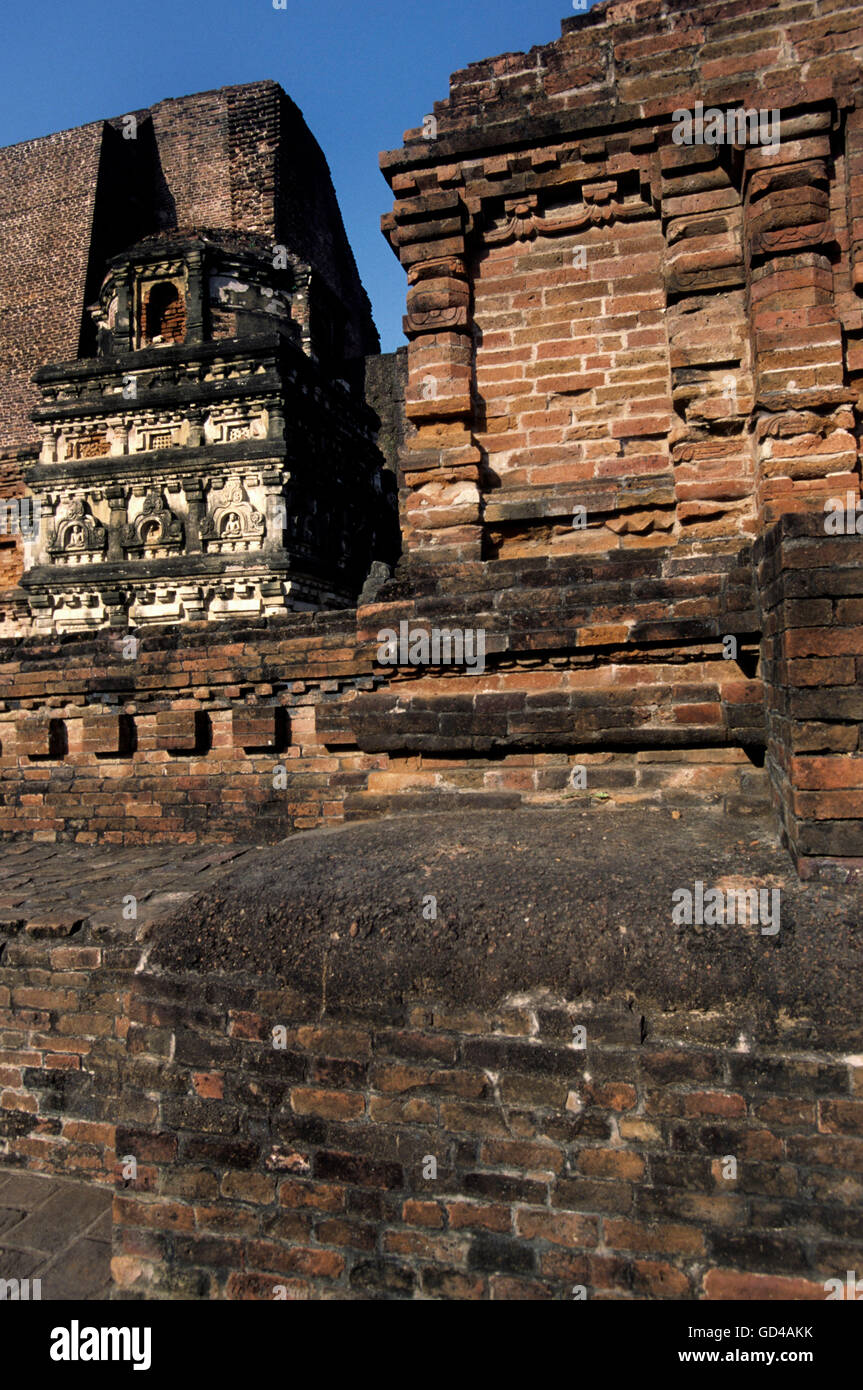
(361, 74)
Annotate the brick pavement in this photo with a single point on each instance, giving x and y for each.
(56, 1231)
(59, 889)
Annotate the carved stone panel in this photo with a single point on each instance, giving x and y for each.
(77, 538)
(156, 532)
(232, 524)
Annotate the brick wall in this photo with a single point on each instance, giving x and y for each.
(184, 741)
(669, 338)
(618, 667)
(181, 743)
(812, 588)
(590, 299)
(44, 258)
(699, 1138)
(574, 385)
(305, 1167)
(308, 1167)
(68, 948)
(64, 1021)
(665, 337)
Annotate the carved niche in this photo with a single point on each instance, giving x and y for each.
(76, 538)
(156, 532)
(233, 523)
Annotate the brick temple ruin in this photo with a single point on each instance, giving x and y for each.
(622, 445)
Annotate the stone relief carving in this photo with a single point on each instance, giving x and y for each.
(524, 219)
(151, 432)
(232, 423)
(233, 523)
(76, 538)
(157, 531)
(438, 296)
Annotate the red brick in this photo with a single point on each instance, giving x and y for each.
(661, 1239)
(611, 1163)
(316, 1264)
(209, 1085)
(321, 1196)
(713, 1103)
(730, 1284)
(423, 1214)
(479, 1216)
(558, 1227)
(329, 1105)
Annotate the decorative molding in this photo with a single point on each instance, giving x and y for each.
(525, 220)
